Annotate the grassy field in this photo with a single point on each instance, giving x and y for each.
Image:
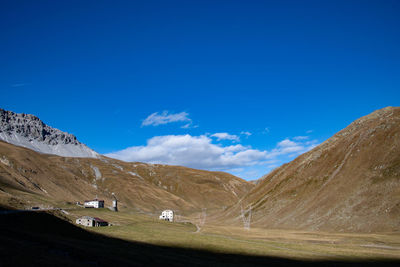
(297, 245)
(46, 238)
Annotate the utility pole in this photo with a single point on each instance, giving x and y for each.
(115, 203)
(246, 217)
(202, 217)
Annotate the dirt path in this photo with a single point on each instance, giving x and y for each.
(198, 228)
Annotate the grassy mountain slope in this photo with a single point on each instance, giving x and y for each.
(28, 178)
(351, 182)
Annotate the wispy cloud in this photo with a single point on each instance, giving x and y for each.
(165, 117)
(226, 136)
(298, 138)
(189, 126)
(19, 84)
(266, 130)
(246, 133)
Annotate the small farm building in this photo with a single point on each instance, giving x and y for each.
(167, 215)
(91, 221)
(95, 203)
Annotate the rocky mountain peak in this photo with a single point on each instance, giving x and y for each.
(29, 131)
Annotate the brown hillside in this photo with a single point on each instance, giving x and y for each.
(351, 182)
(28, 178)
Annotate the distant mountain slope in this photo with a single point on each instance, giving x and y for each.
(29, 131)
(29, 178)
(351, 182)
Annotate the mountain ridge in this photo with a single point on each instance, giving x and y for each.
(28, 178)
(350, 182)
(29, 131)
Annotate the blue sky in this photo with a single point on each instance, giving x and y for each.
(239, 86)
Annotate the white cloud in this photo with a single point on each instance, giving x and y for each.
(186, 126)
(288, 146)
(191, 151)
(312, 142)
(189, 126)
(246, 133)
(156, 119)
(226, 136)
(200, 152)
(298, 138)
(286, 143)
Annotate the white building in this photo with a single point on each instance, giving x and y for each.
(167, 215)
(91, 222)
(95, 203)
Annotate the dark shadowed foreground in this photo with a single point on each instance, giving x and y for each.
(41, 239)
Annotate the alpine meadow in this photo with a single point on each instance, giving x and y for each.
(200, 133)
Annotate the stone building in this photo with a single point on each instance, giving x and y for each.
(91, 221)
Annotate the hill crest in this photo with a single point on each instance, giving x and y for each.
(350, 182)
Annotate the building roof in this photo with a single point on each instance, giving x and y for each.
(92, 218)
(87, 218)
(167, 211)
(98, 219)
(94, 200)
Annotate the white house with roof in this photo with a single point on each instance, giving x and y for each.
(95, 203)
(167, 215)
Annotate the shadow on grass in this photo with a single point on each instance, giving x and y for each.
(42, 239)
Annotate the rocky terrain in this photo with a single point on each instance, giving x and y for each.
(351, 182)
(29, 131)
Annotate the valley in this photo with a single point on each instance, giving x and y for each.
(256, 241)
(139, 239)
(337, 204)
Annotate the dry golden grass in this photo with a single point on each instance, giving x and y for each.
(260, 242)
(351, 183)
(37, 179)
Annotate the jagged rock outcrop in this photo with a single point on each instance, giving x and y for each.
(29, 131)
